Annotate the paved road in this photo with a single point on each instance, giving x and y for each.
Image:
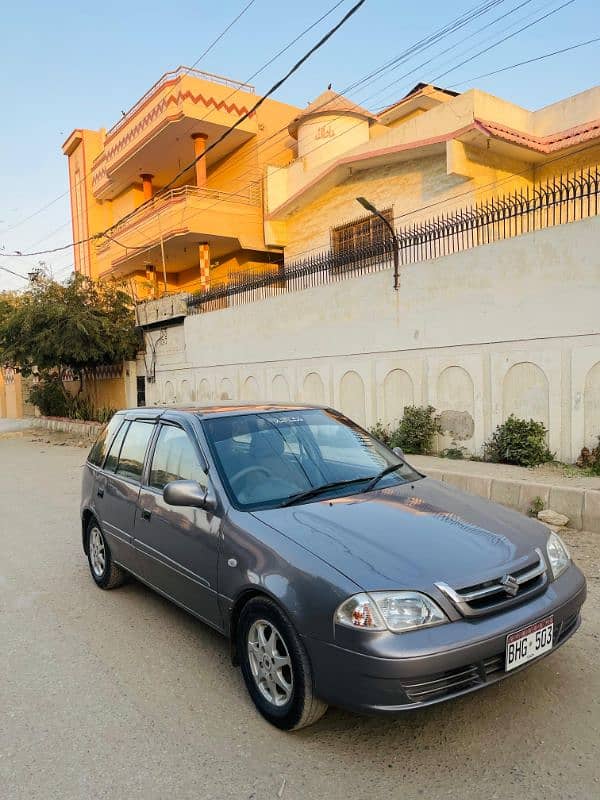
(120, 694)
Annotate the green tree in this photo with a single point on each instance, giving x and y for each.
(78, 324)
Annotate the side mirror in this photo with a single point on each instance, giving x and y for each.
(399, 452)
(189, 493)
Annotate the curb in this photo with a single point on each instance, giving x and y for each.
(581, 506)
(85, 429)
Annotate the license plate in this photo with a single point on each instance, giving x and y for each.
(529, 643)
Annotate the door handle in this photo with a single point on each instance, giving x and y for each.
(100, 492)
(146, 514)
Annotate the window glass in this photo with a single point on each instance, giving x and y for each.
(131, 458)
(112, 460)
(293, 452)
(98, 451)
(174, 459)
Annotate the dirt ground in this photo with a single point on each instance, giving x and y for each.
(122, 695)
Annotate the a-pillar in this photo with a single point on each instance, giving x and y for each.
(204, 259)
(147, 186)
(199, 148)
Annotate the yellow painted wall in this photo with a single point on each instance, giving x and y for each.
(11, 397)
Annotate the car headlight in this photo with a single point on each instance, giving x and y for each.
(396, 611)
(558, 554)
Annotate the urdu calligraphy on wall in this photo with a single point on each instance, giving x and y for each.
(324, 132)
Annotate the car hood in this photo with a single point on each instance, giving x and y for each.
(410, 536)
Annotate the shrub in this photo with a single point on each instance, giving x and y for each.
(518, 441)
(537, 505)
(50, 397)
(417, 430)
(594, 459)
(382, 432)
(53, 401)
(453, 452)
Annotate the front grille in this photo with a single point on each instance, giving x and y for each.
(445, 684)
(518, 583)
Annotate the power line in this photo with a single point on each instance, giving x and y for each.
(528, 61)
(12, 272)
(345, 90)
(458, 22)
(506, 38)
(446, 201)
(271, 91)
(188, 69)
(454, 25)
(228, 132)
(276, 133)
(539, 19)
(450, 48)
(222, 34)
(422, 44)
(413, 211)
(87, 174)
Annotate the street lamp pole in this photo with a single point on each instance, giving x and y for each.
(371, 208)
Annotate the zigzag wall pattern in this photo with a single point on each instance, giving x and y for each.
(159, 108)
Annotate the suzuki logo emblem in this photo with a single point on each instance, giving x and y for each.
(510, 584)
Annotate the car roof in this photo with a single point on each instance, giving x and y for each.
(223, 408)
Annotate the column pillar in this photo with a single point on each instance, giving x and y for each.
(204, 260)
(199, 148)
(152, 280)
(147, 186)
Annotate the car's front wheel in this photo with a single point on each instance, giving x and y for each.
(275, 667)
(105, 572)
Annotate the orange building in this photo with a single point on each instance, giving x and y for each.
(205, 227)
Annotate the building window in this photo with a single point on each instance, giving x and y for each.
(364, 232)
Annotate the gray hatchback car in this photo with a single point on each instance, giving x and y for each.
(340, 574)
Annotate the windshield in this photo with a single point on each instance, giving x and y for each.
(266, 459)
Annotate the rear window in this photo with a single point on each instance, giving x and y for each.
(133, 450)
(105, 437)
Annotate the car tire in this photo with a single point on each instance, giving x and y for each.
(275, 667)
(105, 572)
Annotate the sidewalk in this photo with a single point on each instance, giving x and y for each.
(12, 425)
(576, 496)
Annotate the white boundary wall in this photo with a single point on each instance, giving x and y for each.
(508, 327)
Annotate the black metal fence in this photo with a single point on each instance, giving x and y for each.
(556, 201)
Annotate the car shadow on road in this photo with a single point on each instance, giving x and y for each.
(537, 693)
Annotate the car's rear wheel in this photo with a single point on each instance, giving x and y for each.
(105, 572)
(275, 666)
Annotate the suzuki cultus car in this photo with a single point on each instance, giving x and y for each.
(340, 573)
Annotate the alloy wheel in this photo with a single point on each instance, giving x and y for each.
(270, 662)
(97, 552)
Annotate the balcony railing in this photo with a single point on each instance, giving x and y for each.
(180, 72)
(251, 196)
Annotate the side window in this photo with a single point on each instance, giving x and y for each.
(98, 451)
(112, 460)
(133, 451)
(174, 459)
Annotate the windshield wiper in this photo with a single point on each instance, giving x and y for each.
(317, 490)
(374, 481)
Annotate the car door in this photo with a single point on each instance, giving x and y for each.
(118, 488)
(178, 547)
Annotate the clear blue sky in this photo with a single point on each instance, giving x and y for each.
(68, 65)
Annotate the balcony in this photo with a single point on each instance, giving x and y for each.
(182, 219)
(155, 134)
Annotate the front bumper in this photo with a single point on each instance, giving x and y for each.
(412, 670)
